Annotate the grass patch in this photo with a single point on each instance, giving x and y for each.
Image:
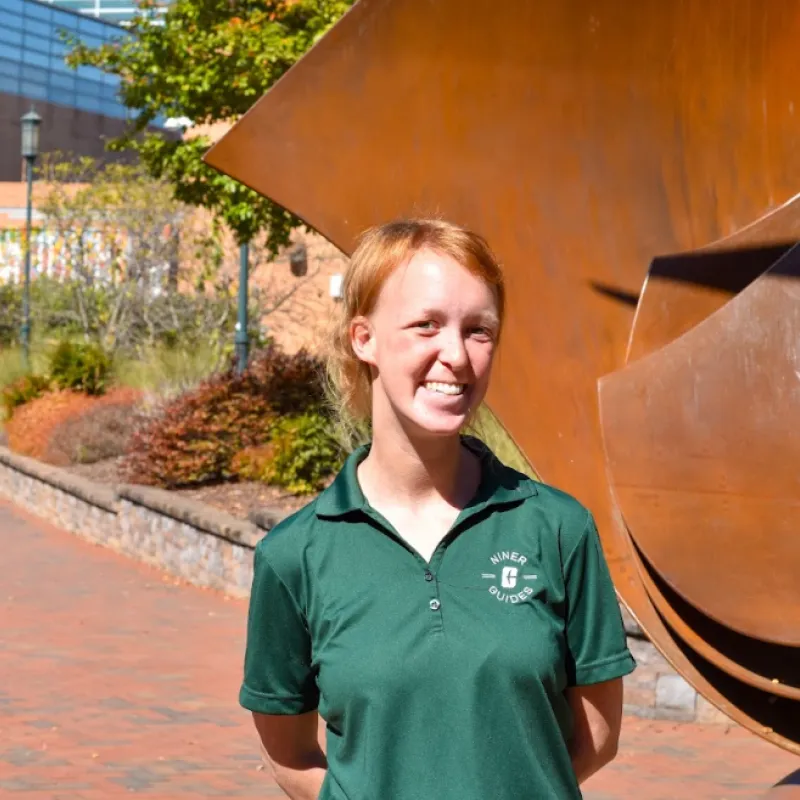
(167, 372)
(12, 364)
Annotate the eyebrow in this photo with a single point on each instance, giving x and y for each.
(483, 316)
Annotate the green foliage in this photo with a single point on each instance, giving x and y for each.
(22, 391)
(10, 314)
(85, 367)
(167, 371)
(194, 438)
(304, 453)
(209, 61)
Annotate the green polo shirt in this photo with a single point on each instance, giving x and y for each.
(441, 680)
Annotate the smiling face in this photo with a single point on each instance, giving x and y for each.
(429, 342)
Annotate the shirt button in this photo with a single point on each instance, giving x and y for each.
(435, 605)
(428, 575)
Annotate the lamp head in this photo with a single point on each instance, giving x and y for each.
(30, 134)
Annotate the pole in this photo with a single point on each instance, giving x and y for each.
(240, 340)
(26, 291)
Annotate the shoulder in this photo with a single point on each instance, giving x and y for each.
(567, 518)
(283, 549)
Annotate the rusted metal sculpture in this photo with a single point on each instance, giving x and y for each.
(602, 148)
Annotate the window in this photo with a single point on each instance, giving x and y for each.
(29, 89)
(57, 64)
(9, 68)
(10, 85)
(37, 11)
(12, 53)
(113, 109)
(34, 74)
(88, 87)
(13, 6)
(87, 102)
(35, 58)
(9, 36)
(62, 81)
(43, 29)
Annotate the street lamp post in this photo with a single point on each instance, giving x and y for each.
(240, 339)
(30, 150)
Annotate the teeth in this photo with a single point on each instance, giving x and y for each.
(445, 388)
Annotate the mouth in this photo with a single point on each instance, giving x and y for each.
(449, 389)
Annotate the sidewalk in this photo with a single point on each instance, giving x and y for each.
(118, 681)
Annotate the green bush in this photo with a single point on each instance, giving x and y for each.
(10, 314)
(304, 453)
(22, 391)
(83, 367)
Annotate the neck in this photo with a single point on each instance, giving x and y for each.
(401, 469)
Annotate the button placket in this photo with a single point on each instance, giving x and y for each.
(434, 602)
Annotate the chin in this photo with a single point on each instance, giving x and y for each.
(439, 425)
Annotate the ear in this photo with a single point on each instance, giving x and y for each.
(362, 339)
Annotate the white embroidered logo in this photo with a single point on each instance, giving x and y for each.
(509, 577)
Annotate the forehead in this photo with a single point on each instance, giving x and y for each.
(430, 279)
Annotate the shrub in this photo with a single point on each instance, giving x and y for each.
(33, 429)
(195, 437)
(22, 391)
(293, 383)
(253, 463)
(10, 313)
(304, 453)
(80, 366)
(98, 432)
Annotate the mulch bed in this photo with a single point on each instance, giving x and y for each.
(235, 498)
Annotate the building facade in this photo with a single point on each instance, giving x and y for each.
(116, 11)
(79, 108)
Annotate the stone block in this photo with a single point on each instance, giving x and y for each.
(673, 692)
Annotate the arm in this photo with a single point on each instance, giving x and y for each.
(291, 749)
(597, 714)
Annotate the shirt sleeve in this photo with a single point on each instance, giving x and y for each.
(278, 673)
(597, 649)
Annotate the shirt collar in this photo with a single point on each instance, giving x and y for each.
(499, 484)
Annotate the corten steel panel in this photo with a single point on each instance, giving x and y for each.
(703, 446)
(774, 669)
(584, 139)
(684, 289)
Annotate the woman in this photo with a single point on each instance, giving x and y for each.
(451, 621)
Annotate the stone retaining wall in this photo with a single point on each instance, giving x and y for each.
(208, 547)
(188, 539)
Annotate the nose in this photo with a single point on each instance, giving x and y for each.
(453, 351)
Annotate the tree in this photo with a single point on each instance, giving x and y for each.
(112, 264)
(114, 231)
(209, 62)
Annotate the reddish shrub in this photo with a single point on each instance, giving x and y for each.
(195, 437)
(99, 432)
(34, 429)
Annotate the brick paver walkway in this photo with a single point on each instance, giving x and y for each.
(117, 681)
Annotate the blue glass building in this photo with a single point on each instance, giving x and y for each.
(79, 108)
(32, 58)
(117, 11)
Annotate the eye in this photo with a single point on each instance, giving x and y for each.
(425, 325)
(482, 333)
